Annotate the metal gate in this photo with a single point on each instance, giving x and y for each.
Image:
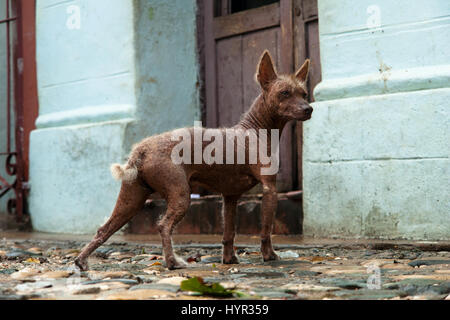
(12, 155)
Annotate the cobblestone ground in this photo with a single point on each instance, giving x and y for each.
(44, 269)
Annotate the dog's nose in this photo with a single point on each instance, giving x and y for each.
(308, 110)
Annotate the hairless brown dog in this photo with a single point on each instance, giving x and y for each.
(151, 168)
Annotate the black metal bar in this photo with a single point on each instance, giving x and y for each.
(5, 191)
(8, 20)
(8, 82)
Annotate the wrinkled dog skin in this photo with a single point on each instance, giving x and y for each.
(150, 169)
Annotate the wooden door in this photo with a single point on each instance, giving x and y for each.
(236, 32)
(234, 41)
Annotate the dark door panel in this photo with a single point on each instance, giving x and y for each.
(235, 35)
(229, 83)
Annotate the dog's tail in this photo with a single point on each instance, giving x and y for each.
(128, 172)
(124, 172)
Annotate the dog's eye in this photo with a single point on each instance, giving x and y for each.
(285, 93)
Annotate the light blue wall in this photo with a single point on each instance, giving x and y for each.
(167, 67)
(119, 78)
(376, 152)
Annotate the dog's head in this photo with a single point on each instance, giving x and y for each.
(284, 94)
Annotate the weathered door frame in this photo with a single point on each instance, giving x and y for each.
(305, 14)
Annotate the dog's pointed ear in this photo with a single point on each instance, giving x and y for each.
(302, 73)
(266, 72)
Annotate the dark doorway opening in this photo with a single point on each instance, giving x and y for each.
(242, 5)
(226, 7)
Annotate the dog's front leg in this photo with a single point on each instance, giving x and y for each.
(229, 213)
(268, 210)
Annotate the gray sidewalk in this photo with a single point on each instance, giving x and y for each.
(40, 266)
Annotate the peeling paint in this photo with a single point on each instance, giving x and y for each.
(384, 71)
(151, 13)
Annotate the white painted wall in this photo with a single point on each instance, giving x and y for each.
(376, 151)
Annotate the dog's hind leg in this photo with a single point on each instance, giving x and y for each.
(178, 200)
(131, 198)
(229, 213)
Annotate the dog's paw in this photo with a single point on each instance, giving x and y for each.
(81, 264)
(176, 263)
(271, 257)
(230, 260)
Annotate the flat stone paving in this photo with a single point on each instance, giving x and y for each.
(32, 267)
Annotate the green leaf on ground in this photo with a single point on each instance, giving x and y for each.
(197, 284)
(239, 294)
